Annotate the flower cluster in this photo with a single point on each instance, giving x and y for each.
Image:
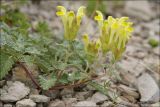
(70, 21)
(114, 34)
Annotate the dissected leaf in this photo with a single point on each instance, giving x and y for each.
(6, 63)
(47, 83)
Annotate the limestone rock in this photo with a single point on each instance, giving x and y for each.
(139, 9)
(26, 103)
(99, 97)
(56, 103)
(14, 92)
(85, 104)
(39, 98)
(148, 88)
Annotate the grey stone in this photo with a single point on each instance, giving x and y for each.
(70, 101)
(83, 95)
(128, 90)
(52, 94)
(139, 9)
(66, 91)
(156, 50)
(85, 104)
(7, 105)
(56, 103)
(14, 92)
(39, 98)
(148, 88)
(132, 65)
(99, 97)
(2, 82)
(26, 103)
(107, 104)
(1, 104)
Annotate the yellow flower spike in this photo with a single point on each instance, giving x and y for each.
(61, 12)
(70, 21)
(99, 18)
(91, 46)
(123, 19)
(71, 17)
(114, 34)
(80, 14)
(85, 39)
(98, 44)
(111, 20)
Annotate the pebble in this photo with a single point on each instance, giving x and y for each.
(39, 98)
(7, 105)
(56, 103)
(85, 104)
(14, 92)
(26, 103)
(132, 65)
(128, 90)
(107, 104)
(2, 82)
(148, 88)
(70, 101)
(139, 9)
(99, 97)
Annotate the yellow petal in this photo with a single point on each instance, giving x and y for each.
(85, 39)
(81, 11)
(80, 14)
(61, 11)
(71, 17)
(99, 16)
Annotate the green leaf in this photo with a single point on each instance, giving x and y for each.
(99, 87)
(6, 63)
(47, 83)
(64, 79)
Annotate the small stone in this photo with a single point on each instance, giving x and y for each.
(99, 97)
(130, 98)
(120, 100)
(83, 95)
(132, 65)
(7, 105)
(2, 82)
(85, 104)
(14, 92)
(56, 103)
(156, 50)
(66, 91)
(107, 104)
(70, 101)
(148, 88)
(139, 9)
(52, 94)
(26, 103)
(128, 90)
(155, 104)
(34, 91)
(39, 98)
(1, 104)
(40, 105)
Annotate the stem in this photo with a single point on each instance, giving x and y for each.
(29, 74)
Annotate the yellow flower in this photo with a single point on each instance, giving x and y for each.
(114, 33)
(71, 22)
(91, 46)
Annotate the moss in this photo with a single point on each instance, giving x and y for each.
(153, 42)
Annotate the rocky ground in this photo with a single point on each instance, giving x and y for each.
(139, 69)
